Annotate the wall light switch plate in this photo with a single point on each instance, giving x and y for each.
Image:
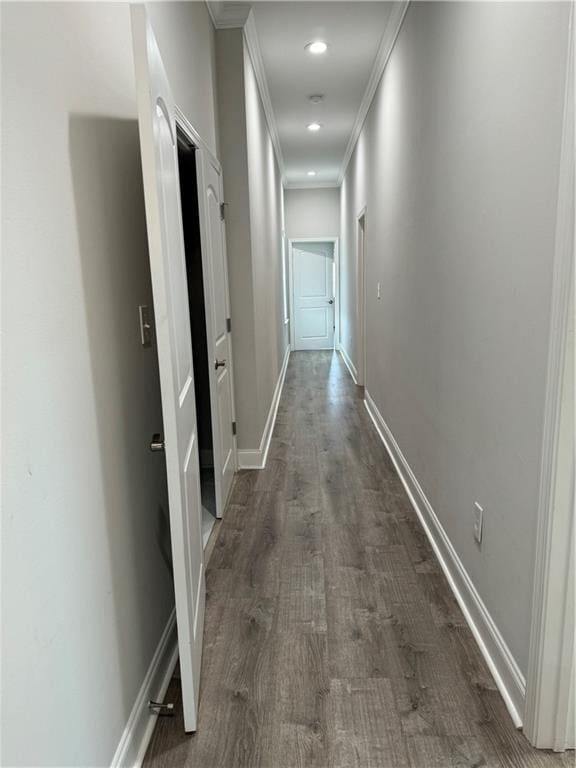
(378, 290)
(478, 522)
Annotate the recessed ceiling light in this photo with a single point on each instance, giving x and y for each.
(316, 98)
(311, 173)
(316, 46)
(314, 127)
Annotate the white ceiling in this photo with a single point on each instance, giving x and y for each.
(353, 31)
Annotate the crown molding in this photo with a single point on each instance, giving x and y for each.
(383, 54)
(234, 15)
(239, 15)
(312, 185)
(228, 15)
(253, 46)
(211, 13)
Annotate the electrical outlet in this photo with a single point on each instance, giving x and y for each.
(478, 522)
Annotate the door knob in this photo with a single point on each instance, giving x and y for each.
(157, 443)
(219, 363)
(330, 301)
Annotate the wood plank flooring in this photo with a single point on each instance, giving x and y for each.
(332, 638)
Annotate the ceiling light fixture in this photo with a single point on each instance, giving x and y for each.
(314, 126)
(316, 47)
(316, 98)
(311, 173)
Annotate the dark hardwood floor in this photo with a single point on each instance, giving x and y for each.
(332, 637)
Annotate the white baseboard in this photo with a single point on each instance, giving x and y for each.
(349, 364)
(509, 679)
(255, 458)
(138, 731)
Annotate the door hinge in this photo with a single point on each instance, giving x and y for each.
(164, 710)
(229, 324)
(233, 427)
(223, 210)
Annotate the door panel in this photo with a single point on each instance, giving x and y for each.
(313, 296)
(314, 323)
(168, 270)
(219, 338)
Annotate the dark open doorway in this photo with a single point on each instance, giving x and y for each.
(196, 297)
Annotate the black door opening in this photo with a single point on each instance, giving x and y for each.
(196, 298)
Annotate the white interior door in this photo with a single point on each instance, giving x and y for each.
(313, 295)
(168, 267)
(217, 327)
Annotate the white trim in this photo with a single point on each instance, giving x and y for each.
(203, 155)
(285, 300)
(550, 679)
(211, 13)
(304, 239)
(140, 726)
(387, 43)
(337, 294)
(253, 46)
(187, 127)
(336, 242)
(349, 364)
(312, 185)
(226, 15)
(249, 458)
(502, 664)
(361, 298)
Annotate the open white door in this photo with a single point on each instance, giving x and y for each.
(168, 267)
(217, 325)
(313, 295)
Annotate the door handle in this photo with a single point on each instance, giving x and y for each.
(157, 443)
(219, 364)
(330, 301)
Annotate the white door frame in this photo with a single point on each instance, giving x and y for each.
(361, 298)
(194, 137)
(550, 687)
(335, 241)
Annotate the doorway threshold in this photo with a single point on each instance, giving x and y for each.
(208, 521)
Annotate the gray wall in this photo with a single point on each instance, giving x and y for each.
(234, 159)
(86, 582)
(312, 212)
(271, 335)
(186, 38)
(458, 166)
(253, 191)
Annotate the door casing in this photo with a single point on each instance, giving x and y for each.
(361, 297)
(205, 155)
(295, 241)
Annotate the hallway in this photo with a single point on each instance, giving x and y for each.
(331, 635)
